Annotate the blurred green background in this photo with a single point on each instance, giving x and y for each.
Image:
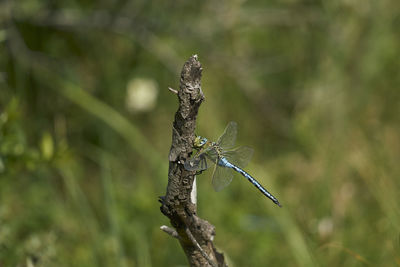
(86, 116)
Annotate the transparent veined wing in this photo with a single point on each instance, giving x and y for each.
(240, 156)
(197, 163)
(202, 161)
(211, 154)
(221, 178)
(228, 138)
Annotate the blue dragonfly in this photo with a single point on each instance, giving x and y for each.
(224, 158)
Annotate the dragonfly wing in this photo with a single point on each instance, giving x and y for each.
(211, 154)
(240, 156)
(228, 138)
(197, 163)
(222, 177)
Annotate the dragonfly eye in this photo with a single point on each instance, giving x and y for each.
(199, 142)
(203, 141)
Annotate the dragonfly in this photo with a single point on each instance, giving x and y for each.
(226, 160)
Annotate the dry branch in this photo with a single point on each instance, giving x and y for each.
(194, 234)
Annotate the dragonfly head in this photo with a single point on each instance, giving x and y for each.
(199, 142)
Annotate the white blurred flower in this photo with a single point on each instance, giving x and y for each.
(325, 227)
(141, 95)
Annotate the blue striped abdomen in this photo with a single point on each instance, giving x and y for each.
(223, 162)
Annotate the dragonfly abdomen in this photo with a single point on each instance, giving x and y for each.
(225, 163)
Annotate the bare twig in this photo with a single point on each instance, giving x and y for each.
(169, 231)
(179, 204)
(173, 90)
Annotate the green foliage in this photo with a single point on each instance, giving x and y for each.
(85, 129)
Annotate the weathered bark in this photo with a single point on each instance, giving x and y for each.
(194, 234)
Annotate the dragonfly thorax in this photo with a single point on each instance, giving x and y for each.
(217, 149)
